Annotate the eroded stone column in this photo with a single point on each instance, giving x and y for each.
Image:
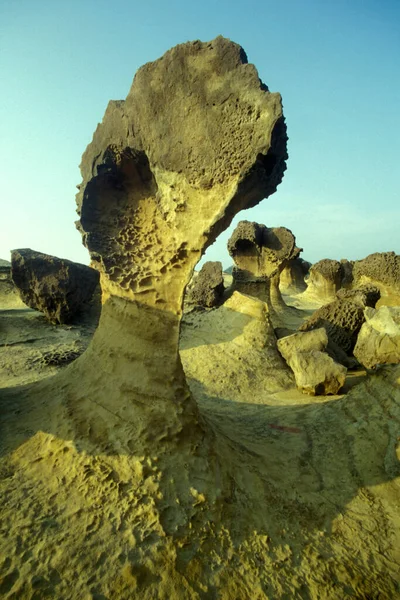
(198, 138)
(260, 254)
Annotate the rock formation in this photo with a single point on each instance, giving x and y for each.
(57, 287)
(342, 319)
(291, 279)
(325, 279)
(208, 287)
(382, 269)
(260, 254)
(379, 339)
(197, 139)
(315, 372)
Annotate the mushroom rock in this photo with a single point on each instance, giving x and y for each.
(208, 287)
(57, 287)
(260, 254)
(324, 279)
(291, 280)
(198, 138)
(315, 372)
(379, 339)
(381, 269)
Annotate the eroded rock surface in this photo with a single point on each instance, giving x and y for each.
(380, 268)
(291, 280)
(315, 372)
(379, 339)
(208, 287)
(260, 254)
(342, 320)
(197, 139)
(325, 279)
(57, 287)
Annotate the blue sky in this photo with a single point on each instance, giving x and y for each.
(336, 64)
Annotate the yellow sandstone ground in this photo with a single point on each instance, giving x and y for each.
(288, 497)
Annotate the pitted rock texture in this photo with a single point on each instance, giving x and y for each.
(381, 268)
(57, 287)
(325, 279)
(260, 254)
(262, 251)
(366, 295)
(342, 320)
(292, 277)
(315, 372)
(379, 339)
(208, 288)
(198, 138)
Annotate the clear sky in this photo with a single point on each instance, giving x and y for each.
(336, 64)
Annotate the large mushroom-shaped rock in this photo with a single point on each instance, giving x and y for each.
(381, 269)
(292, 277)
(342, 319)
(260, 254)
(198, 138)
(57, 287)
(324, 279)
(208, 287)
(315, 371)
(379, 339)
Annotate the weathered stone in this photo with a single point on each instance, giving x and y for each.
(57, 287)
(208, 287)
(342, 320)
(198, 138)
(381, 269)
(379, 339)
(291, 280)
(325, 279)
(262, 251)
(366, 295)
(260, 254)
(315, 372)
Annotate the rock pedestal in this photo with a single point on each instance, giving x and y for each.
(260, 254)
(198, 138)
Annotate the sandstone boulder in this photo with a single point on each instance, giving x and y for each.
(315, 371)
(57, 287)
(208, 288)
(379, 339)
(342, 319)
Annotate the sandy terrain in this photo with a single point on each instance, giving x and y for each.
(288, 497)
